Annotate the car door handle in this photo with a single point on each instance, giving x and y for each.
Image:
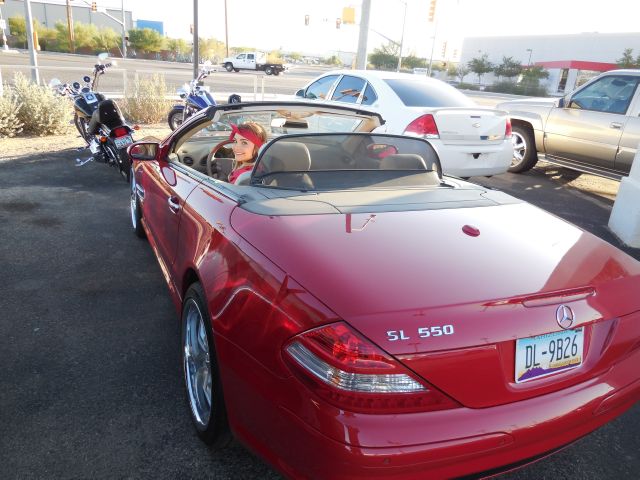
(174, 204)
(616, 125)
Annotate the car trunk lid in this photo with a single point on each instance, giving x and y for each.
(391, 274)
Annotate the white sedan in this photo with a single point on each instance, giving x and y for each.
(469, 139)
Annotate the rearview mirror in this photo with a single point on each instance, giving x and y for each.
(143, 150)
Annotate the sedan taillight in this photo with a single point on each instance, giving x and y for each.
(424, 126)
(350, 372)
(507, 130)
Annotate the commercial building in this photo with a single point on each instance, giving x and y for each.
(570, 59)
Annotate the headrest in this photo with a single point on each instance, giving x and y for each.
(287, 156)
(403, 161)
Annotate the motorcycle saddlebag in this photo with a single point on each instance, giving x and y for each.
(108, 114)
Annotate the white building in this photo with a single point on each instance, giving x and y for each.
(570, 59)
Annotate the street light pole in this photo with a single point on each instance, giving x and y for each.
(72, 40)
(402, 37)
(124, 31)
(226, 29)
(35, 76)
(530, 52)
(361, 56)
(196, 47)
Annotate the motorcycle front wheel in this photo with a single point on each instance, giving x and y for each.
(175, 118)
(82, 125)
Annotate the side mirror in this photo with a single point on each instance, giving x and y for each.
(300, 93)
(561, 102)
(143, 150)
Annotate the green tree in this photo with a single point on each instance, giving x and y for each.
(295, 56)
(85, 35)
(509, 68)
(452, 70)
(18, 29)
(106, 38)
(531, 76)
(461, 72)
(212, 49)
(146, 40)
(411, 61)
(480, 65)
(627, 60)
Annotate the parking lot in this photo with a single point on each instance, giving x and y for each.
(91, 377)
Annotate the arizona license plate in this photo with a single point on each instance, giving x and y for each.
(122, 142)
(547, 354)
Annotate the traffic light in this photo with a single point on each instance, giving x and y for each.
(94, 7)
(444, 49)
(348, 15)
(432, 10)
(338, 22)
(306, 20)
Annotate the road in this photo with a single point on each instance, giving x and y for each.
(91, 377)
(69, 68)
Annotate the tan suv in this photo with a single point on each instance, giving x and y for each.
(594, 129)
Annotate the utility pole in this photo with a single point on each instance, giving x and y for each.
(72, 39)
(361, 56)
(124, 30)
(35, 76)
(226, 28)
(196, 49)
(402, 37)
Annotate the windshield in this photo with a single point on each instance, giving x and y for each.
(346, 161)
(420, 93)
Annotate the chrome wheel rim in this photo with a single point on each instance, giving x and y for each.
(134, 203)
(197, 364)
(519, 148)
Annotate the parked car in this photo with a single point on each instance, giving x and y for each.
(349, 312)
(594, 129)
(469, 139)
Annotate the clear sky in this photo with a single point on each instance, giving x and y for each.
(273, 24)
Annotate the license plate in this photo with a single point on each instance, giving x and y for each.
(544, 355)
(122, 142)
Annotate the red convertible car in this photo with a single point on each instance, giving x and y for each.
(349, 312)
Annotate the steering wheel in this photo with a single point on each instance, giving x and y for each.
(214, 170)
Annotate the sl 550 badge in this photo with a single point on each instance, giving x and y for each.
(421, 332)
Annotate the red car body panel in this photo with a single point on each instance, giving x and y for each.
(269, 278)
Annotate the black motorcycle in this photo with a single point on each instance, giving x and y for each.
(99, 120)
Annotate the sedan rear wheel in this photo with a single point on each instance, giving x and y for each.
(201, 375)
(525, 155)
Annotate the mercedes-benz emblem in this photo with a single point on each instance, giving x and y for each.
(565, 317)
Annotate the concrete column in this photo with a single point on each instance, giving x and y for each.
(625, 216)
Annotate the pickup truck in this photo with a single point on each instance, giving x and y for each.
(252, 61)
(594, 129)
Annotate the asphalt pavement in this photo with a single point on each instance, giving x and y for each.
(91, 386)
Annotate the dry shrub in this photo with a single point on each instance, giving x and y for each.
(146, 102)
(10, 124)
(40, 110)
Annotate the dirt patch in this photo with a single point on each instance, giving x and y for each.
(19, 147)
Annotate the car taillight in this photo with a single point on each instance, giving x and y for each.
(424, 126)
(350, 372)
(120, 132)
(507, 130)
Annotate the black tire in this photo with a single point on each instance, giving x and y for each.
(136, 212)
(236, 70)
(525, 155)
(201, 372)
(268, 70)
(276, 71)
(125, 164)
(234, 98)
(175, 118)
(81, 126)
(228, 67)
